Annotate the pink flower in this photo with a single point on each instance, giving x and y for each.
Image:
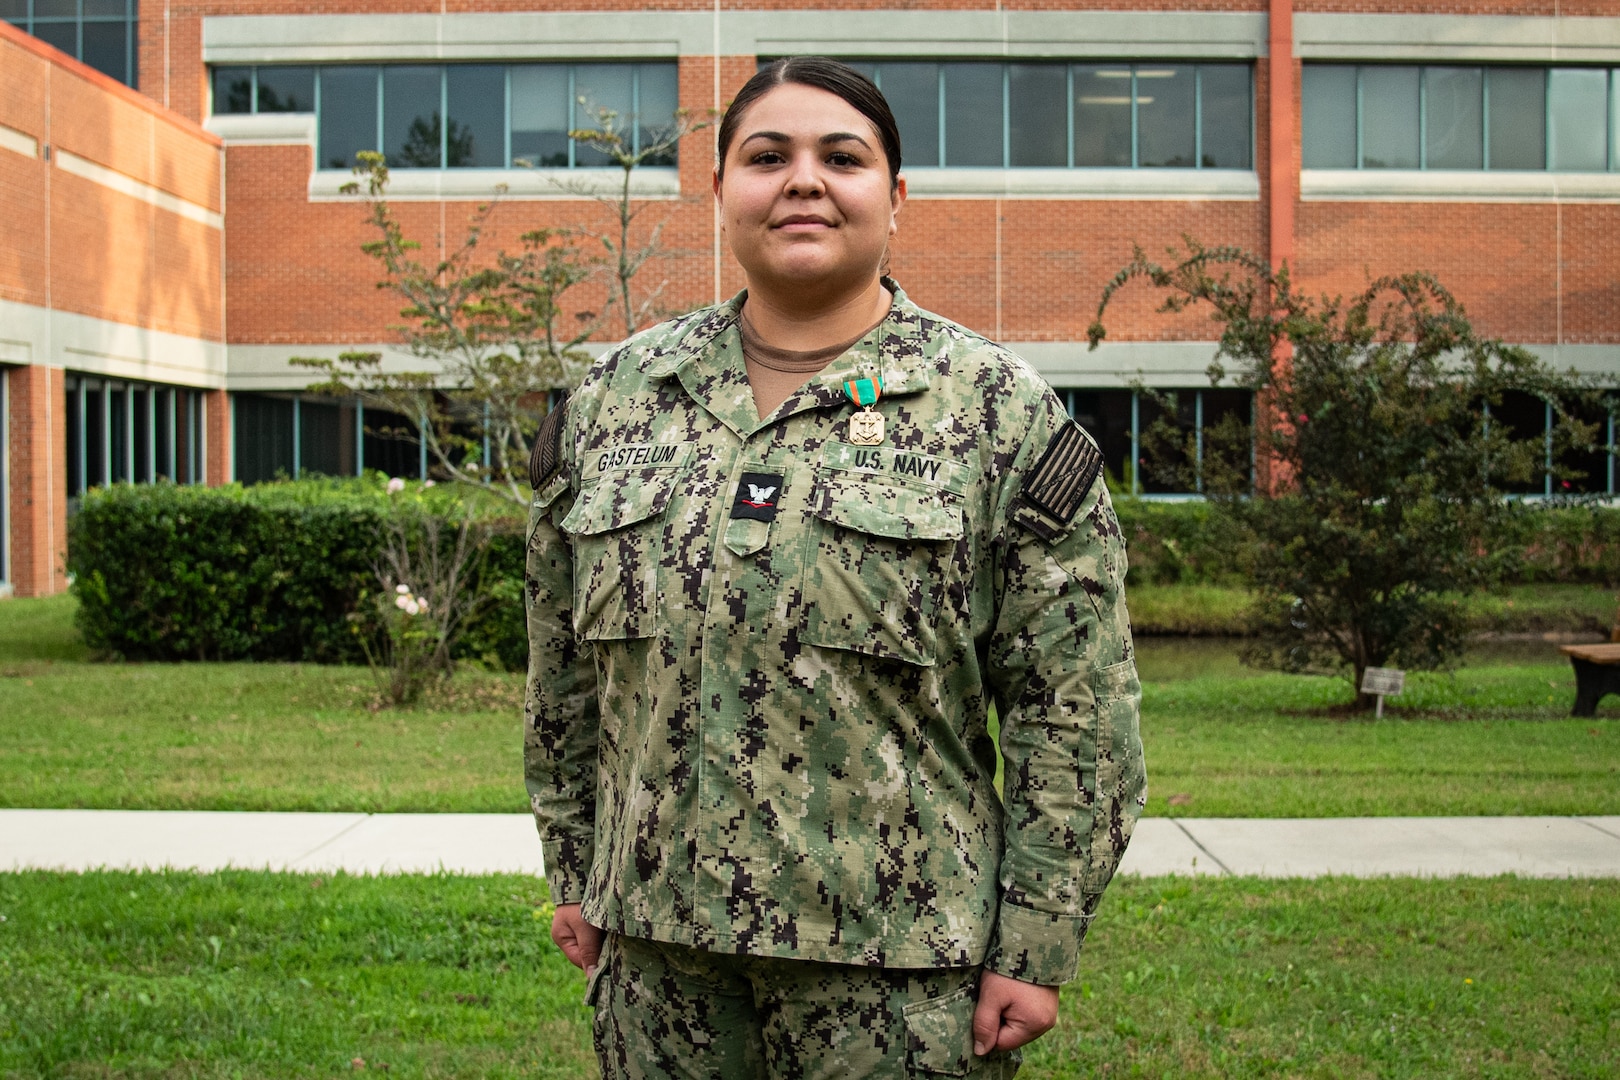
(395, 485)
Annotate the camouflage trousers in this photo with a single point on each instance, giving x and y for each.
(674, 1011)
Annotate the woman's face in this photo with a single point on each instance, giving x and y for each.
(805, 198)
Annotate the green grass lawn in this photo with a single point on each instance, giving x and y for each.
(114, 975)
(1221, 740)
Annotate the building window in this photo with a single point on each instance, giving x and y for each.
(459, 116)
(99, 32)
(1118, 420)
(1069, 115)
(287, 436)
(1403, 116)
(1586, 472)
(130, 432)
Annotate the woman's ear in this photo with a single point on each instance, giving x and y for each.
(897, 199)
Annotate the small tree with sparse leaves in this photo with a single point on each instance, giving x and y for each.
(1380, 470)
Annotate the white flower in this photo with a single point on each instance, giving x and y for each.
(403, 590)
(427, 483)
(402, 602)
(412, 607)
(423, 605)
(395, 485)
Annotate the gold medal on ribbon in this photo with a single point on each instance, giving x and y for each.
(866, 426)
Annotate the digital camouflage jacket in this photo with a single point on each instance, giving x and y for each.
(763, 659)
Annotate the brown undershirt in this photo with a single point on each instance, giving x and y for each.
(774, 373)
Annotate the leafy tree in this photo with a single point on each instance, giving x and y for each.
(614, 136)
(499, 333)
(1363, 499)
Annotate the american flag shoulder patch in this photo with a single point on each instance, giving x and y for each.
(1060, 480)
(546, 457)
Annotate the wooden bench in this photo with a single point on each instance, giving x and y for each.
(1597, 672)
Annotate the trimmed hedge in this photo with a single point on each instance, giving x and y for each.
(269, 572)
(1177, 543)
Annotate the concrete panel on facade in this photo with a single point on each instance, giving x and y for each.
(65, 339)
(1445, 185)
(1241, 185)
(481, 185)
(1535, 39)
(247, 39)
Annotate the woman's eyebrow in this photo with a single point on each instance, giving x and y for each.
(829, 139)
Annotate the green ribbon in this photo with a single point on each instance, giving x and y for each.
(864, 392)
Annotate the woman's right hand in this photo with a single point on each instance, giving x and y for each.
(579, 940)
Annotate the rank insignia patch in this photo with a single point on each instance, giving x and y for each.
(1058, 483)
(546, 457)
(756, 496)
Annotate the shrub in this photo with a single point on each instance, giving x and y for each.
(270, 572)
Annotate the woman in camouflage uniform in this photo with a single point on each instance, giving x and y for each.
(786, 554)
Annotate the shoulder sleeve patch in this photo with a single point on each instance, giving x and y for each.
(546, 457)
(1060, 480)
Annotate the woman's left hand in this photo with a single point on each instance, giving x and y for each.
(1011, 1013)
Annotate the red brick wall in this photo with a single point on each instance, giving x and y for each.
(90, 249)
(296, 275)
(38, 490)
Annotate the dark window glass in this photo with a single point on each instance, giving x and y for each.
(263, 434)
(540, 115)
(1185, 417)
(320, 438)
(1328, 126)
(106, 48)
(598, 90)
(75, 474)
(1454, 124)
(913, 93)
(1525, 417)
(1106, 415)
(233, 90)
(56, 9)
(1578, 110)
(1517, 100)
(348, 114)
(63, 35)
(141, 434)
(411, 124)
(1165, 100)
(14, 10)
(1226, 138)
(160, 433)
(105, 9)
(118, 436)
(390, 444)
(1389, 117)
(1102, 116)
(658, 97)
(1038, 114)
(95, 436)
(286, 89)
(1587, 471)
(477, 133)
(973, 117)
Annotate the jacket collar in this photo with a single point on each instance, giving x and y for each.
(895, 351)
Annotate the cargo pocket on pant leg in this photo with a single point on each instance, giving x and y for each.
(939, 1039)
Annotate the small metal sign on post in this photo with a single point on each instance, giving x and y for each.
(1382, 681)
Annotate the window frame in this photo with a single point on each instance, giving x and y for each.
(130, 20)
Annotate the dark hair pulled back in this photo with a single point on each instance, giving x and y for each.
(837, 78)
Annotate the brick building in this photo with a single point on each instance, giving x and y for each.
(168, 248)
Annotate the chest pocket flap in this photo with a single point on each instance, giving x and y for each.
(616, 526)
(876, 573)
(896, 511)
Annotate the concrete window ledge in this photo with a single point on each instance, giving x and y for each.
(1119, 184)
(405, 185)
(1412, 185)
(264, 129)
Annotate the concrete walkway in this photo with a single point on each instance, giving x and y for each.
(506, 843)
